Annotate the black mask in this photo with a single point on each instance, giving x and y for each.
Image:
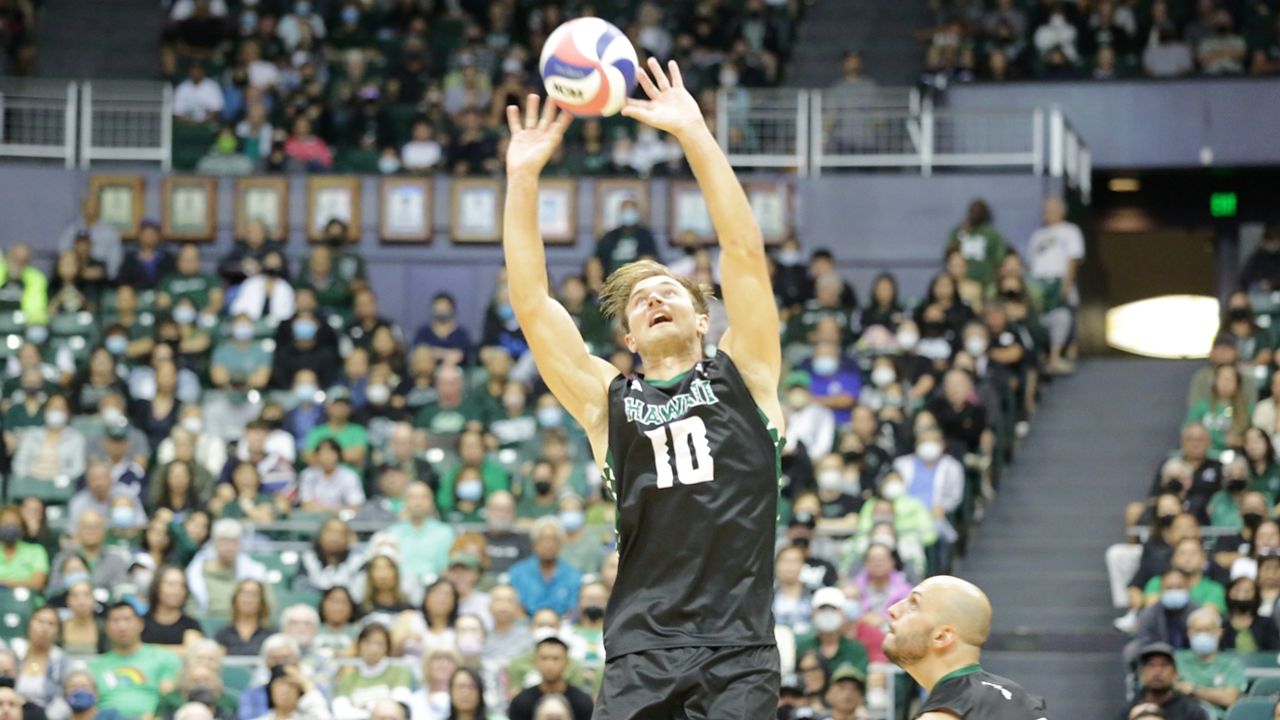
(1251, 519)
(1174, 486)
(1240, 607)
(1166, 520)
(1236, 485)
(594, 613)
(801, 542)
(542, 487)
(1239, 314)
(272, 271)
(854, 456)
(203, 694)
(1011, 295)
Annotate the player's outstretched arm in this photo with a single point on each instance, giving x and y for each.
(579, 380)
(753, 338)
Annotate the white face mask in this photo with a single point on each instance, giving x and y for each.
(193, 425)
(975, 346)
(55, 418)
(893, 490)
(908, 340)
(827, 620)
(112, 416)
(830, 480)
(377, 394)
(929, 451)
(883, 376)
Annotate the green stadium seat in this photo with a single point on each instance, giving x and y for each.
(354, 160)
(212, 624)
(77, 324)
(1265, 686)
(9, 345)
(1252, 708)
(12, 321)
(236, 678)
(57, 491)
(16, 607)
(80, 347)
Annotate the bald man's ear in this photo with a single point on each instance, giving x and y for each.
(944, 636)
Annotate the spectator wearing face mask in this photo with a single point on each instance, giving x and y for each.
(937, 480)
(1225, 506)
(266, 295)
(1248, 513)
(1188, 557)
(833, 647)
(100, 493)
(627, 242)
(834, 382)
(837, 494)
(443, 334)
(54, 451)
(1165, 621)
(1205, 473)
(239, 363)
(808, 422)
(1243, 629)
(910, 522)
(305, 351)
(1213, 677)
(1265, 543)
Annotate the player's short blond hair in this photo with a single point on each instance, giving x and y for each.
(622, 282)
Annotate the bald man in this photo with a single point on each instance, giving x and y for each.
(936, 635)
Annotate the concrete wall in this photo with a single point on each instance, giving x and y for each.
(1150, 124)
(871, 222)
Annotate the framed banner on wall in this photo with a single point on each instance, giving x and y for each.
(265, 199)
(189, 208)
(772, 203)
(477, 211)
(558, 211)
(120, 201)
(609, 196)
(404, 214)
(333, 198)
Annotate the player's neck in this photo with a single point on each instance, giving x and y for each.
(933, 669)
(669, 366)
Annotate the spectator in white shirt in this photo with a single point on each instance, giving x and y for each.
(263, 75)
(807, 421)
(1221, 53)
(1057, 33)
(1054, 259)
(183, 9)
(267, 294)
(327, 484)
(290, 28)
(1166, 54)
(422, 153)
(198, 99)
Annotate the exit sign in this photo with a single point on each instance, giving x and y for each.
(1223, 204)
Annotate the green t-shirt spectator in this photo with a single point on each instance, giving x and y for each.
(1225, 670)
(849, 652)
(1217, 417)
(240, 362)
(351, 435)
(451, 421)
(491, 474)
(1267, 482)
(983, 248)
(130, 684)
(23, 564)
(1205, 592)
(189, 287)
(1223, 511)
(424, 549)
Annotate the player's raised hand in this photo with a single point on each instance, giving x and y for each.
(670, 107)
(534, 139)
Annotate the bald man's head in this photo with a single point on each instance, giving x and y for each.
(940, 615)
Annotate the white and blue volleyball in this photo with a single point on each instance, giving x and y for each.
(589, 67)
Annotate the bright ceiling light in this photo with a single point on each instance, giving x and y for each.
(1124, 184)
(1170, 326)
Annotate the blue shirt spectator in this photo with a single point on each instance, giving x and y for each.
(834, 382)
(443, 334)
(544, 580)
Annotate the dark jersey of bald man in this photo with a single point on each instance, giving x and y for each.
(972, 693)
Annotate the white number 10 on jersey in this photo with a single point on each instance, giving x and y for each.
(688, 439)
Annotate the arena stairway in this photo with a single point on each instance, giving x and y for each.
(100, 39)
(882, 31)
(1095, 444)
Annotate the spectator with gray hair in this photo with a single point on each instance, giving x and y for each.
(215, 570)
(278, 650)
(1214, 678)
(78, 699)
(545, 580)
(110, 565)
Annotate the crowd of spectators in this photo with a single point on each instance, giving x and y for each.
(1200, 575)
(234, 461)
(417, 86)
(1101, 39)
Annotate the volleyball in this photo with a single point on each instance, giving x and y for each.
(588, 67)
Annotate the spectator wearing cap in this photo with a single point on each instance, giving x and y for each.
(215, 570)
(808, 422)
(23, 287)
(95, 242)
(551, 661)
(198, 99)
(465, 567)
(149, 262)
(1158, 675)
(846, 693)
(423, 540)
(832, 646)
(352, 439)
(327, 484)
(545, 580)
(1213, 677)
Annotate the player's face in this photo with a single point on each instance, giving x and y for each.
(910, 629)
(661, 312)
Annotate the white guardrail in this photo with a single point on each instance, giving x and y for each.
(81, 123)
(867, 127)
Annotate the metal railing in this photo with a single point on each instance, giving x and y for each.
(870, 127)
(38, 119)
(86, 122)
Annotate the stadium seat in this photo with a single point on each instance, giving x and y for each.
(12, 321)
(16, 606)
(77, 324)
(1252, 708)
(236, 678)
(211, 624)
(57, 491)
(1265, 686)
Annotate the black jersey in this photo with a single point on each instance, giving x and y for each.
(972, 693)
(693, 467)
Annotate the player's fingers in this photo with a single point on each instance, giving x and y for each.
(659, 77)
(548, 114)
(677, 80)
(646, 83)
(531, 111)
(513, 119)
